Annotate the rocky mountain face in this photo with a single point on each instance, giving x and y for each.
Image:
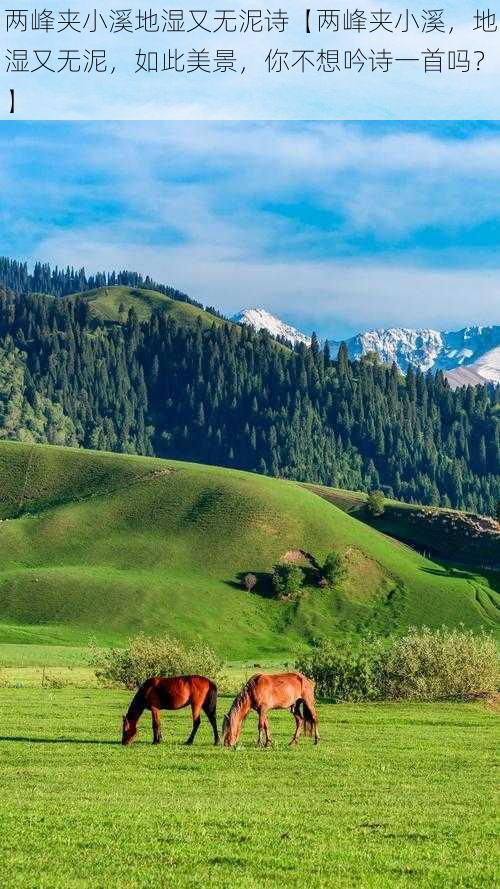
(467, 356)
(260, 319)
(427, 348)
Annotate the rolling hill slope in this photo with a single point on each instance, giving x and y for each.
(106, 544)
(459, 537)
(105, 304)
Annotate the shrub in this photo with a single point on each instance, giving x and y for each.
(423, 665)
(249, 582)
(375, 503)
(334, 570)
(146, 656)
(287, 580)
(343, 671)
(429, 665)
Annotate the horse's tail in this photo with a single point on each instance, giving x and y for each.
(308, 719)
(210, 702)
(308, 714)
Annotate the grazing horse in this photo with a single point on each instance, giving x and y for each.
(281, 691)
(172, 693)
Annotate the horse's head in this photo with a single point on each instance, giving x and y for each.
(230, 732)
(129, 731)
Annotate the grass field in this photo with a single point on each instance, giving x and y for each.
(102, 546)
(106, 302)
(108, 545)
(393, 796)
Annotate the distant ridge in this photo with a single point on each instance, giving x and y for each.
(470, 356)
(485, 369)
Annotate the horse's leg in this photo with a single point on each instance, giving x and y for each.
(298, 723)
(195, 710)
(316, 732)
(315, 718)
(210, 713)
(262, 724)
(269, 740)
(155, 716)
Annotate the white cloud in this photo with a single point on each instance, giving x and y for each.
(263, 213)
(386, 183)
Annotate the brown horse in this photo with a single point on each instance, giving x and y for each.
(172, 693)
(264, 692)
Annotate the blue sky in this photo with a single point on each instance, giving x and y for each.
(334, 226)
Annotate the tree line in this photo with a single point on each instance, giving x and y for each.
(226, 395)
(16, 276)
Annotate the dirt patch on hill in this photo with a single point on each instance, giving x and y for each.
(300, 556)
(475, 524)
(463, 537)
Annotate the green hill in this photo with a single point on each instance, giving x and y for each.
(106, 544)
(461, 537)
(113, 304)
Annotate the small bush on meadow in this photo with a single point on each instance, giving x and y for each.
(249, 582)
(334, 570)
(422, 665)
(343, 671)
(287, 580)
(431, 665)
(146, 656)
(375, 503)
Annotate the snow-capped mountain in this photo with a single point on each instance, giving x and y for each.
(467, 356)
(485, 369)
(427, 348)
(259, 319)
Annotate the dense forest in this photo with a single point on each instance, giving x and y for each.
(224, 394)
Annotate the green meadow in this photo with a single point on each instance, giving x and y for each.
(448, 533)
(105, 545)
(396, 795)
(98, 547)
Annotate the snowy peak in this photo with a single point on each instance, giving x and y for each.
(433, 349)
(485, 370)
(402, 346)
(467, 356)
(259, 319)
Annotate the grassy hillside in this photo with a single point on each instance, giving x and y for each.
(105, 304)
(105, 544)
(441, 533)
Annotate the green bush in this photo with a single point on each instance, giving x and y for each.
(430, 665)
(334, 570)
(287, 580)
(376, 503)
(343, 671)
(146, 656)
(423, 665)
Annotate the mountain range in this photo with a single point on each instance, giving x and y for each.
(467, 356)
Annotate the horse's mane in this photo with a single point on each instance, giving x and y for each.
(241, 697)
(137, 704)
